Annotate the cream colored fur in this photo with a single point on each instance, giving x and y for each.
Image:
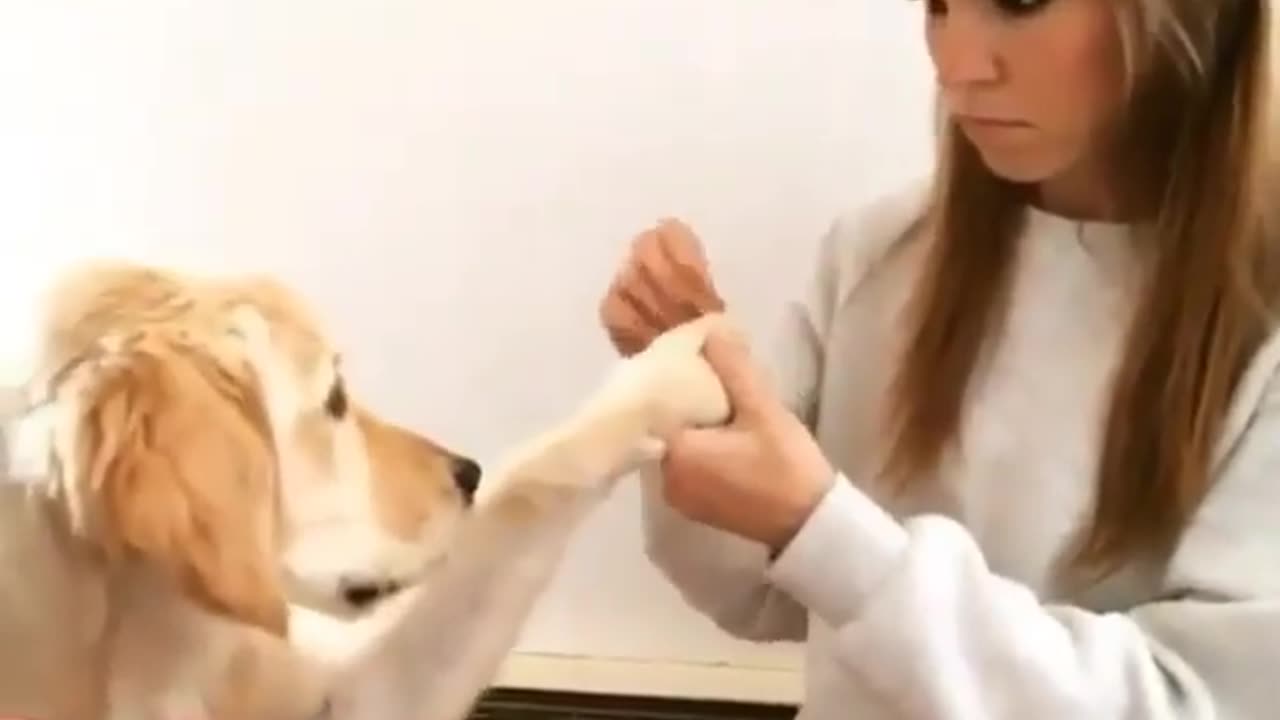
(186, 462)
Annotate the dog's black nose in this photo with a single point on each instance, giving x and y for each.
(466, 475)
(360, 594)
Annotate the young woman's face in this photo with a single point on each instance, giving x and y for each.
(1035, 85)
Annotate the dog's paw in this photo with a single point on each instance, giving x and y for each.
(670, 384)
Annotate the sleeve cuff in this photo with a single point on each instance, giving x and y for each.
(841, 553)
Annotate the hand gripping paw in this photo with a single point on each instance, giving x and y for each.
(676, 383)
(669, 385)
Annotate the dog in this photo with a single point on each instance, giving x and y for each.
(186, 462)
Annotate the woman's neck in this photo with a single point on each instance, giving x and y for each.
(1076, 195)
(1089, 191)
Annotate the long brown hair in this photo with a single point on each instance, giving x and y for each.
(1202, 126)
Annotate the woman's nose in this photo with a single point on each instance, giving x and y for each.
(963, 50)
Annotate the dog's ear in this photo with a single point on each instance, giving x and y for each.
(177, 470)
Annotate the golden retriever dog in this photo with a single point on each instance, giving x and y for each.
(185, 463)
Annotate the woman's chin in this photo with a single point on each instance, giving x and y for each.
(1019, 166)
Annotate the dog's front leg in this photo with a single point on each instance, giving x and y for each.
(265, 678)
(449, 644)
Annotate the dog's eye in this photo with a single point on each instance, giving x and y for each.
(336, 403)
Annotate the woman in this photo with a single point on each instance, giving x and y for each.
(1022, 459)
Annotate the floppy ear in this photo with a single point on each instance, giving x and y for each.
(178, 471)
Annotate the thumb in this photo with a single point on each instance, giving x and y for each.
(729, 356)
(697, 452)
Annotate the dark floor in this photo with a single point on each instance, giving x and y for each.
(503, 704)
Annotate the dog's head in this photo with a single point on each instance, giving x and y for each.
(204, 428)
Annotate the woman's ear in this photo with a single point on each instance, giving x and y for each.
(178, 471)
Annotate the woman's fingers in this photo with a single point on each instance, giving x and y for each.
(672, 259)
(652, 281)
(664, 282)
(683, 259)
(629, 331)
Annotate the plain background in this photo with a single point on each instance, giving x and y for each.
(452, 183)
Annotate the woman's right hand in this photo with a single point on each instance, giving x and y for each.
(664, 282)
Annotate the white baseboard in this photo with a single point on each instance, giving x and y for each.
(670, 679)
(326, 638)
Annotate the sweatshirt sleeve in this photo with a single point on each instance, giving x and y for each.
(918, 616)
(719, 574)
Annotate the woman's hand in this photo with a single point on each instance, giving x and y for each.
(759, 477)
(664, 282)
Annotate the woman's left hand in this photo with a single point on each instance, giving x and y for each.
(759, 477)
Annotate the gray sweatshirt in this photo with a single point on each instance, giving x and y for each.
(952, 602)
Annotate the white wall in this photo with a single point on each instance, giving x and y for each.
(452, 182)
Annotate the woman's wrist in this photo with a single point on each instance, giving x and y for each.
(794, 511)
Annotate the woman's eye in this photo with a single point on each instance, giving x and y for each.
(1013, 8)
(1020, 7)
